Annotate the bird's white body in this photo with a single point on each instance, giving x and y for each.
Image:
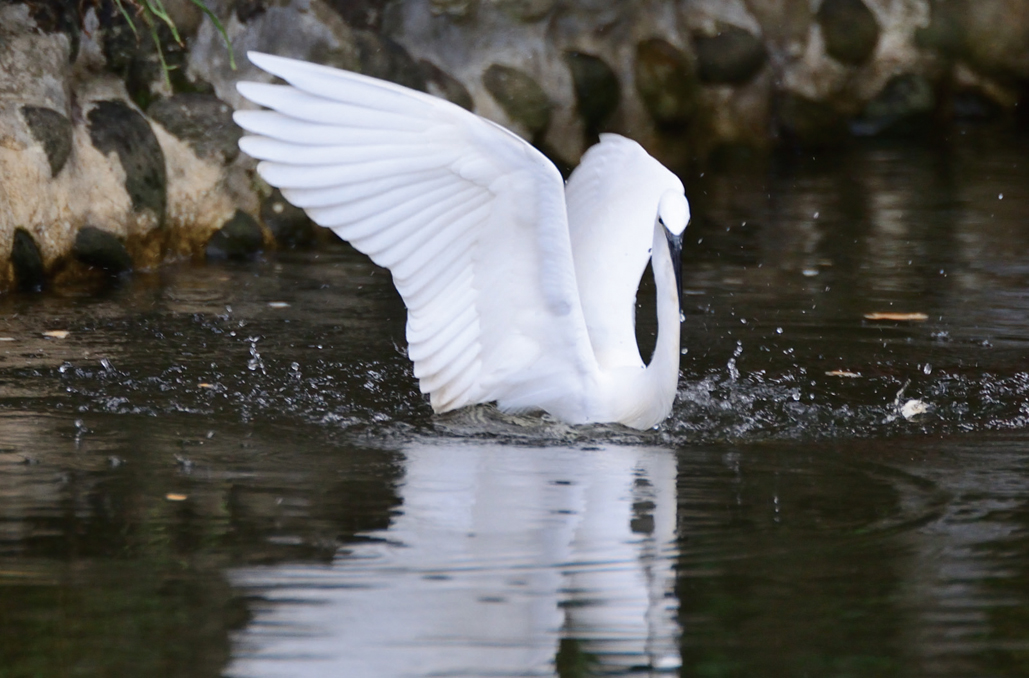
(519, 290)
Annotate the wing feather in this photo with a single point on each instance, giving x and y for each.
(469, 219)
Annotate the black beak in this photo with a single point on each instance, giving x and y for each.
(675, 249)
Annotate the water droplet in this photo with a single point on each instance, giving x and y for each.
(927, 369)
(1000, 196)
(810, 272)
(778, 330)
(684, 351)
(815, 215)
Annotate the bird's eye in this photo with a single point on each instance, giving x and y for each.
(661, 220)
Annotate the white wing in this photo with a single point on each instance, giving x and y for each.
(469, 219)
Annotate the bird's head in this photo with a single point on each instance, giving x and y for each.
(673, 213)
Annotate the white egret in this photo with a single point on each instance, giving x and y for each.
(519, 289)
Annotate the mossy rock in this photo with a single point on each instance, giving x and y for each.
(100, 249)
(731, 57)
(290, 225)
(850, 30)
(809, 122)
(53, 131)
(116, 127)
(597, 92)
(440, 83)
(666, 82)
(903, 104)
(239, 239)
(201, 120)
(29, 272)
(520, 96)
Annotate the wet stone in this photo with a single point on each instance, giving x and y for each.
(29, 272)
(239, 239)
(808, 122)
(441, 84)
(905, 100)
(596, 88)
(289, 224)
(666, 82)
(520, 96)
(100, 249)
(53, 131)
(850, 30)
(731, 57)
(115, 127)
(203, 121)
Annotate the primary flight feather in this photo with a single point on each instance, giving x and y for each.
(520, 290)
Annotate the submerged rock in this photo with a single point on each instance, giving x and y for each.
(53, 131)
(905, 99)
(239, 239)
(290, 226)
(850, 30)
(100, 249)
(809, 122)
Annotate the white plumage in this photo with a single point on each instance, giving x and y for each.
(519, 290)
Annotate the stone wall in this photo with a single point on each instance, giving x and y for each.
(108, 165)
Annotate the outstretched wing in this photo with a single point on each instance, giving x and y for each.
(469, 219)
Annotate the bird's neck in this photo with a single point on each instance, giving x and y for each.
(663, 370)
(648, 394)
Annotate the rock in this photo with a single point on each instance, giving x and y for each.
(850, 30)
(731, 57)
(904, 99)
(526, 10)
(249, 9)
(361, 14)
(809, 122)
(597, 92)
(441, 84)
(520, 96)
(666, 82)
(203, 121)
(290, 225)
(53, 131)
(946, 30)
(55, 16)
(382, 58)
(997, 38)
(115, 127)
(29, 272)
(239, 239)
(458, 10)
(103, 250)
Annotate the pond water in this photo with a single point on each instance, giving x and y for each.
(228, 469)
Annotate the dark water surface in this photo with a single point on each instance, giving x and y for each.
(228, 470)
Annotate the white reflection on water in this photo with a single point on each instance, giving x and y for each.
(498, 553)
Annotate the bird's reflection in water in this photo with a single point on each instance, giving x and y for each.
(498, 554)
